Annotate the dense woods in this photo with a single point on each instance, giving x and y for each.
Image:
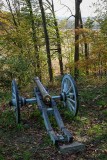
(32, 39)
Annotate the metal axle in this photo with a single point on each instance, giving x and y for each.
(23, 101)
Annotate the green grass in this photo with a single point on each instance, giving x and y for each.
(7, 119)
(102, 156)
(26, 155)
(46, 141)
(96, 129)
(2, 157)
(5, 96)
(104, 113)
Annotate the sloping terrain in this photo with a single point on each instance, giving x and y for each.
(29, 140)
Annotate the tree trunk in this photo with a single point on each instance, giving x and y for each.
(46, 40)
(76, 55)
(9, 5)
(85, 46)
(58, 40)
(34, 38)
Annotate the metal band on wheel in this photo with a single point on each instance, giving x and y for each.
(69, 89)
(15, 98)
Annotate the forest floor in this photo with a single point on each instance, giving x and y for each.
(30, 141)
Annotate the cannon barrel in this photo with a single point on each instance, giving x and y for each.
(44, 93)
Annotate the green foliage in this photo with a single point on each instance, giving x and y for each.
(95, 130)
(66, 114)
(89, 23)
(36, 114)
(102, 156)
(18, 57)
(20, 127)
(103, 25)
(26, 155)
(2, 158)
(46, 141)
(105, 113)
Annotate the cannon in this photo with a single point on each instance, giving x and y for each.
(47, 105)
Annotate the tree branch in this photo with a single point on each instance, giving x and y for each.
(68, 9)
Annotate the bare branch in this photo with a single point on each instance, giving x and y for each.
(68, 9)
(70, 17)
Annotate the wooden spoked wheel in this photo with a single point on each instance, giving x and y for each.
(69, 90)
(15, 99)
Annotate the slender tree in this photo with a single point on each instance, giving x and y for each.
(85, 46)
(34, 38)
(76, 54)
(57, 36)
(13, 17)
(46, 40)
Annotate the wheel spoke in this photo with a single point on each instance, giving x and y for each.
(13, 95)
(71, 107)
(71, 100)
(69, 89)
(71, 94)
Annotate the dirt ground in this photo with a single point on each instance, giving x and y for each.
(30, 141)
